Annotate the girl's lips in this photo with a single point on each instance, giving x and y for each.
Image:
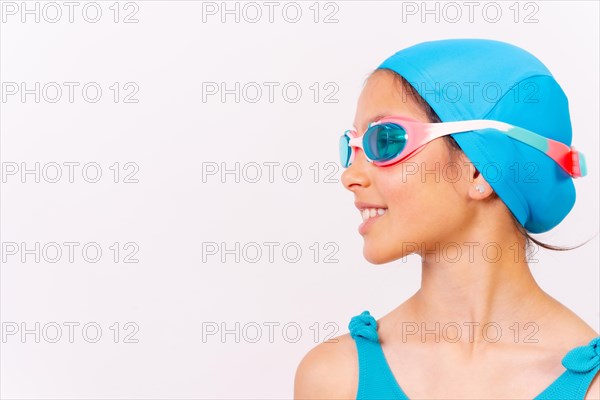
(362, 205)
(364, 227)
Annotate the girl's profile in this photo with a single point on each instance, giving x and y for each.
(463, 146)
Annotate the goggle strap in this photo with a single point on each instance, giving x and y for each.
(571, 160)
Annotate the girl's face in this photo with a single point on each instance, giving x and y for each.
(422, 206)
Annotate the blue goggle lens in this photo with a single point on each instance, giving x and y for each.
(345, 150)
(384, 142)
(381, 142)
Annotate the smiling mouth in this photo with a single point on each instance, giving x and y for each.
(368, 213)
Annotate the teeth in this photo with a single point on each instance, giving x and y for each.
(372, 212)
(365, 214)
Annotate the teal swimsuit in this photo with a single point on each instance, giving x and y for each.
(376, 380)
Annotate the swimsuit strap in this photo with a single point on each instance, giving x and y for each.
(375, 379)
(582, 364)
(365, 326)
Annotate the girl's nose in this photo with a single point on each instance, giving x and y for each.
(356, 176)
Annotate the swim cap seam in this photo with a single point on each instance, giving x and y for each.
(512, 89)
(505, 183)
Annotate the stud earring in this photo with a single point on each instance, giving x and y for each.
(480, 188)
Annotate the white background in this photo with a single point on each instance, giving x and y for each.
(171, 294)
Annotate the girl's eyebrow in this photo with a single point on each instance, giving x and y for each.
(372, 119)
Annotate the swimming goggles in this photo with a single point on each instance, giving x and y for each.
(393, 139)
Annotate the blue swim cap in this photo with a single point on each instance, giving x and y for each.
(464, 79)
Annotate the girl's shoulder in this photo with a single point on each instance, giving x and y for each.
(328, 370)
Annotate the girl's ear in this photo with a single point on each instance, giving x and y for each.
(479, 188)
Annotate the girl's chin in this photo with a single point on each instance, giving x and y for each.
(377, 255)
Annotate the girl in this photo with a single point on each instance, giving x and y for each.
(459, 149)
